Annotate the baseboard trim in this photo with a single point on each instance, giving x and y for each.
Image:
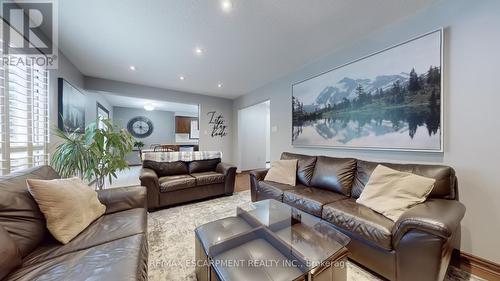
(475, 265)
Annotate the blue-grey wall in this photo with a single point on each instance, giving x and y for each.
(472, 98)
(163, 123)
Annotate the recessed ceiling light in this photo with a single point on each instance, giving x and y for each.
(182, 77)
(132, 68)
(219, 85)
(198, 51)
(149, 107)
(226, 5)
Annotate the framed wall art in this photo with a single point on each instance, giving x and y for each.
(71, 107)
(389, 100)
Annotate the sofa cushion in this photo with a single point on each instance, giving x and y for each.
(305, 166)
(107, 228)
(335, 174)
(444, 187)
(360, 221)
(283, 171)
(213, 232)
(9, 253)
(206, 178)
(272, 190)
(19, 213)
(171, 183)
(391, 192)
(310, 199)
(122, 259)
(200, 166)
(69, 205)
(164, 169)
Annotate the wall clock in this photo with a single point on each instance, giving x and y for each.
(140, 127)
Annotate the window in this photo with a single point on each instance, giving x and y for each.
(24, 115)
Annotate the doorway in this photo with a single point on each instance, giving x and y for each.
(254, 135)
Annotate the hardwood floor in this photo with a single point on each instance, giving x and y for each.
(242, 182)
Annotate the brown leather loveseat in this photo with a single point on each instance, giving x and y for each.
(114, 247)
(172, 183)
(416, 247)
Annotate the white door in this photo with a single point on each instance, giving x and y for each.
(254, 136)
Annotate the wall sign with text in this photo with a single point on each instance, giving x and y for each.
(217, 124)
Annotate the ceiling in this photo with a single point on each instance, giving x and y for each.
(255, 43)
(179, 108)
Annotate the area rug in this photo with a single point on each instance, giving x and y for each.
(171, 240)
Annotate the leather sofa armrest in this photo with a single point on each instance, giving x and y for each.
(225, 168)
(259, 174)
(439, 217)
(229, 172)
(122, 198)
(255, 177)
(149, 179)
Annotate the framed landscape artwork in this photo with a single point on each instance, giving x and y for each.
(390, 100)
(71, 107)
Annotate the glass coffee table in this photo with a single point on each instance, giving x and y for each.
(269, 240)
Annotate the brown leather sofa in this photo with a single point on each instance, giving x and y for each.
(416, 247)
(114, 247)
(172, 183)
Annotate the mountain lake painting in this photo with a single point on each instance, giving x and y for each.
(388, 100)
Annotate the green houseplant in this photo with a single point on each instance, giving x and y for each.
(96, 154)
(138, 144)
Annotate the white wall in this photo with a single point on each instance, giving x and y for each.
(268, 132)
(71, 73)
(207, 104)
(253, 135)
(472, 98)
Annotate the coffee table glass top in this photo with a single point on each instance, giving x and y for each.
(306, 235)
(280, 237)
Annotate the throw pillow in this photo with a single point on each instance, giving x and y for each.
(69, 205)
(391, 192)
(283, 171)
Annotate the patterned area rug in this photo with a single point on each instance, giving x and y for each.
(171, 240)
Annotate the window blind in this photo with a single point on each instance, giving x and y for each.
(24, 117)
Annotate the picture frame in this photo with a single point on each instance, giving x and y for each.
(330, 111)
(71, 107)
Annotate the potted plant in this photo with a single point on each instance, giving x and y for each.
(138, 144)
(96, 154)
